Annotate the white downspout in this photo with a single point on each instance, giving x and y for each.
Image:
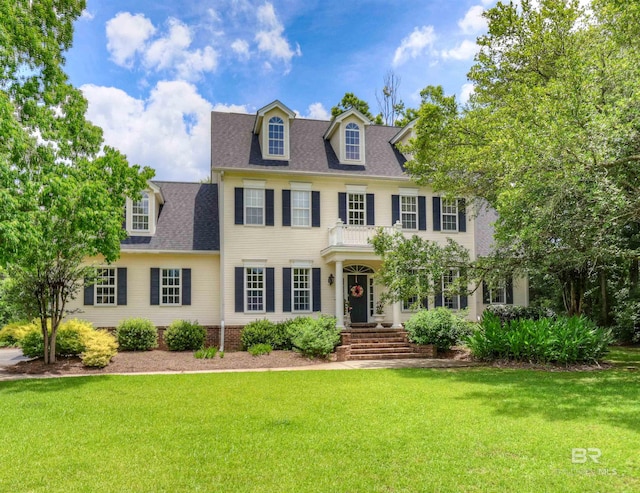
(222, 263)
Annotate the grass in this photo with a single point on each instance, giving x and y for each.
(322, 431)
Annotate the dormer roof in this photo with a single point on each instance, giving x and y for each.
(335, 123)
(156, 191)
(265, 109)
(404, 131)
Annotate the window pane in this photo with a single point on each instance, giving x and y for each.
(105, 287)
(301, 290)
(255, 289)
(352, 141)
(409, 212)
(450, 300)
(170, 287)
(356, 209)
(300, 208)
(276, 136)
(449, 215)
(254, 206)
(140, 214)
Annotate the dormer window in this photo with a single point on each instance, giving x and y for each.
(140, 214)
(352, 141)
(276, 136)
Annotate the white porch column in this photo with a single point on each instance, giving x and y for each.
(339, 295)
(396, 315)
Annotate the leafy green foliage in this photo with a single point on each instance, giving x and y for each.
(259, 349)
(441, 327)
(277, 335)
(11, 334)
(507, 313)
(32, 344)
(206, 353)
(316, 337)
(183, 335)
(137, 334)
(100, 348)
(349, 101)
(563, 340)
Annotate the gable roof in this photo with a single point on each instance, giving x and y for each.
(265, 109)
(335, 123)
(187, 221)
(235, 146)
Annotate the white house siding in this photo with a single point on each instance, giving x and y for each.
(205, 299)
(278, 245)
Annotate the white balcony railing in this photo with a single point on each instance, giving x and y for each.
(349, 235)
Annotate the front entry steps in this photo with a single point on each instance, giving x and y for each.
(368, 343)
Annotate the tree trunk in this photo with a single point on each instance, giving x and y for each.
(604, 304)
(634, 273)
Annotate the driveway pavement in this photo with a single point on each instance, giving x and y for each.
(11, 356)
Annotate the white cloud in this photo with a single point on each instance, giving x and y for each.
(270, 38)
(464, 51)
(317, 112)
(230, 108)
(169, 131)
(473, 22)
(241, 48)
(465, 92)
(86, 15)
(126, 35)
(414, 45)
(165, 51)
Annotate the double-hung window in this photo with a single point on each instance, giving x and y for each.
(450, 300)
(254, 206)
(352, 142)
(300, 208)
(170, 285)
(449, 215)
(409, 212)
(276, 136)
(105, 287)
(301, 292)
(140, 214)
(498, 295)
(356, 209)
(254, 289)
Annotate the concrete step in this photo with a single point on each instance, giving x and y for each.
(378, 344)
(378, 340)
(385, 356)
(381, 350)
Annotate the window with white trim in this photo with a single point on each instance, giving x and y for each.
(276, 136)
(140, 214)
(449, 215)
(450, 300)
(409, 211)
(254, 289)
(105, 287)
(356, 209)
(300, 208)
(170, 286)
(301, 292)
(498, 295)
(352, 141)
(254, 206)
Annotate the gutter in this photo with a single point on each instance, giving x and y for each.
(222, 264)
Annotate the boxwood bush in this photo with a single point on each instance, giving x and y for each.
(137, 334)
(276, 335)
(315, 337)
(183, 335)
(441, 327)
(561, 340)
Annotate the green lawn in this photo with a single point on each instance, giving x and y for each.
(323, 431)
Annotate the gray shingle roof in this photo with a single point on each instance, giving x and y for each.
(188, 220)
(234, 145)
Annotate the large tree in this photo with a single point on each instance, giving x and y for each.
(350, 100)
(550, 137)
(62, 192)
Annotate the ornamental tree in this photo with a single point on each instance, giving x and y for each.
(62, 192)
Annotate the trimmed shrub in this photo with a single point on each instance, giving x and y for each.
(183, 335)
(507, 313)
(11, 334)
(441, 327)
(259, 332)
(71, 337)
(562, 340)
(316, 337)
(100, 348)
(206, 353)
(137, 334)
(32, 344)
(259, 349)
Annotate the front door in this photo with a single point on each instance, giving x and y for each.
(357, 292)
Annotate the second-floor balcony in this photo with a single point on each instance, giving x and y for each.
(348, 235)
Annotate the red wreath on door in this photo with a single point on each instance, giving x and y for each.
(356, 291)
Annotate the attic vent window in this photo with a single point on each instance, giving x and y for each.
(352, 142)
(276, 136)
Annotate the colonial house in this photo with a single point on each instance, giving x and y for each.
(282, 230)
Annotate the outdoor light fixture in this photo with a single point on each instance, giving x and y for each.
(331, 279)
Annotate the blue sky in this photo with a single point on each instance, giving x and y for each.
(153, 71)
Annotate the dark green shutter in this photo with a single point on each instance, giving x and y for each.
(436, 214)
(286, 207)
(271, 295)
(315, 209)
(462, 215)
(88, 291)
(422, 213)
(186, 286)
(239, 289)
(154, 288)
(269, 209)
(316, 288)
(239, 205)
(395, 209)
(371, 210)
(342, 206)
(286, 289)
(122, 286)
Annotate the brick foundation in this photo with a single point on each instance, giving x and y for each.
(232, 340)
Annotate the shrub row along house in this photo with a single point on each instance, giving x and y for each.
(282, 230)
